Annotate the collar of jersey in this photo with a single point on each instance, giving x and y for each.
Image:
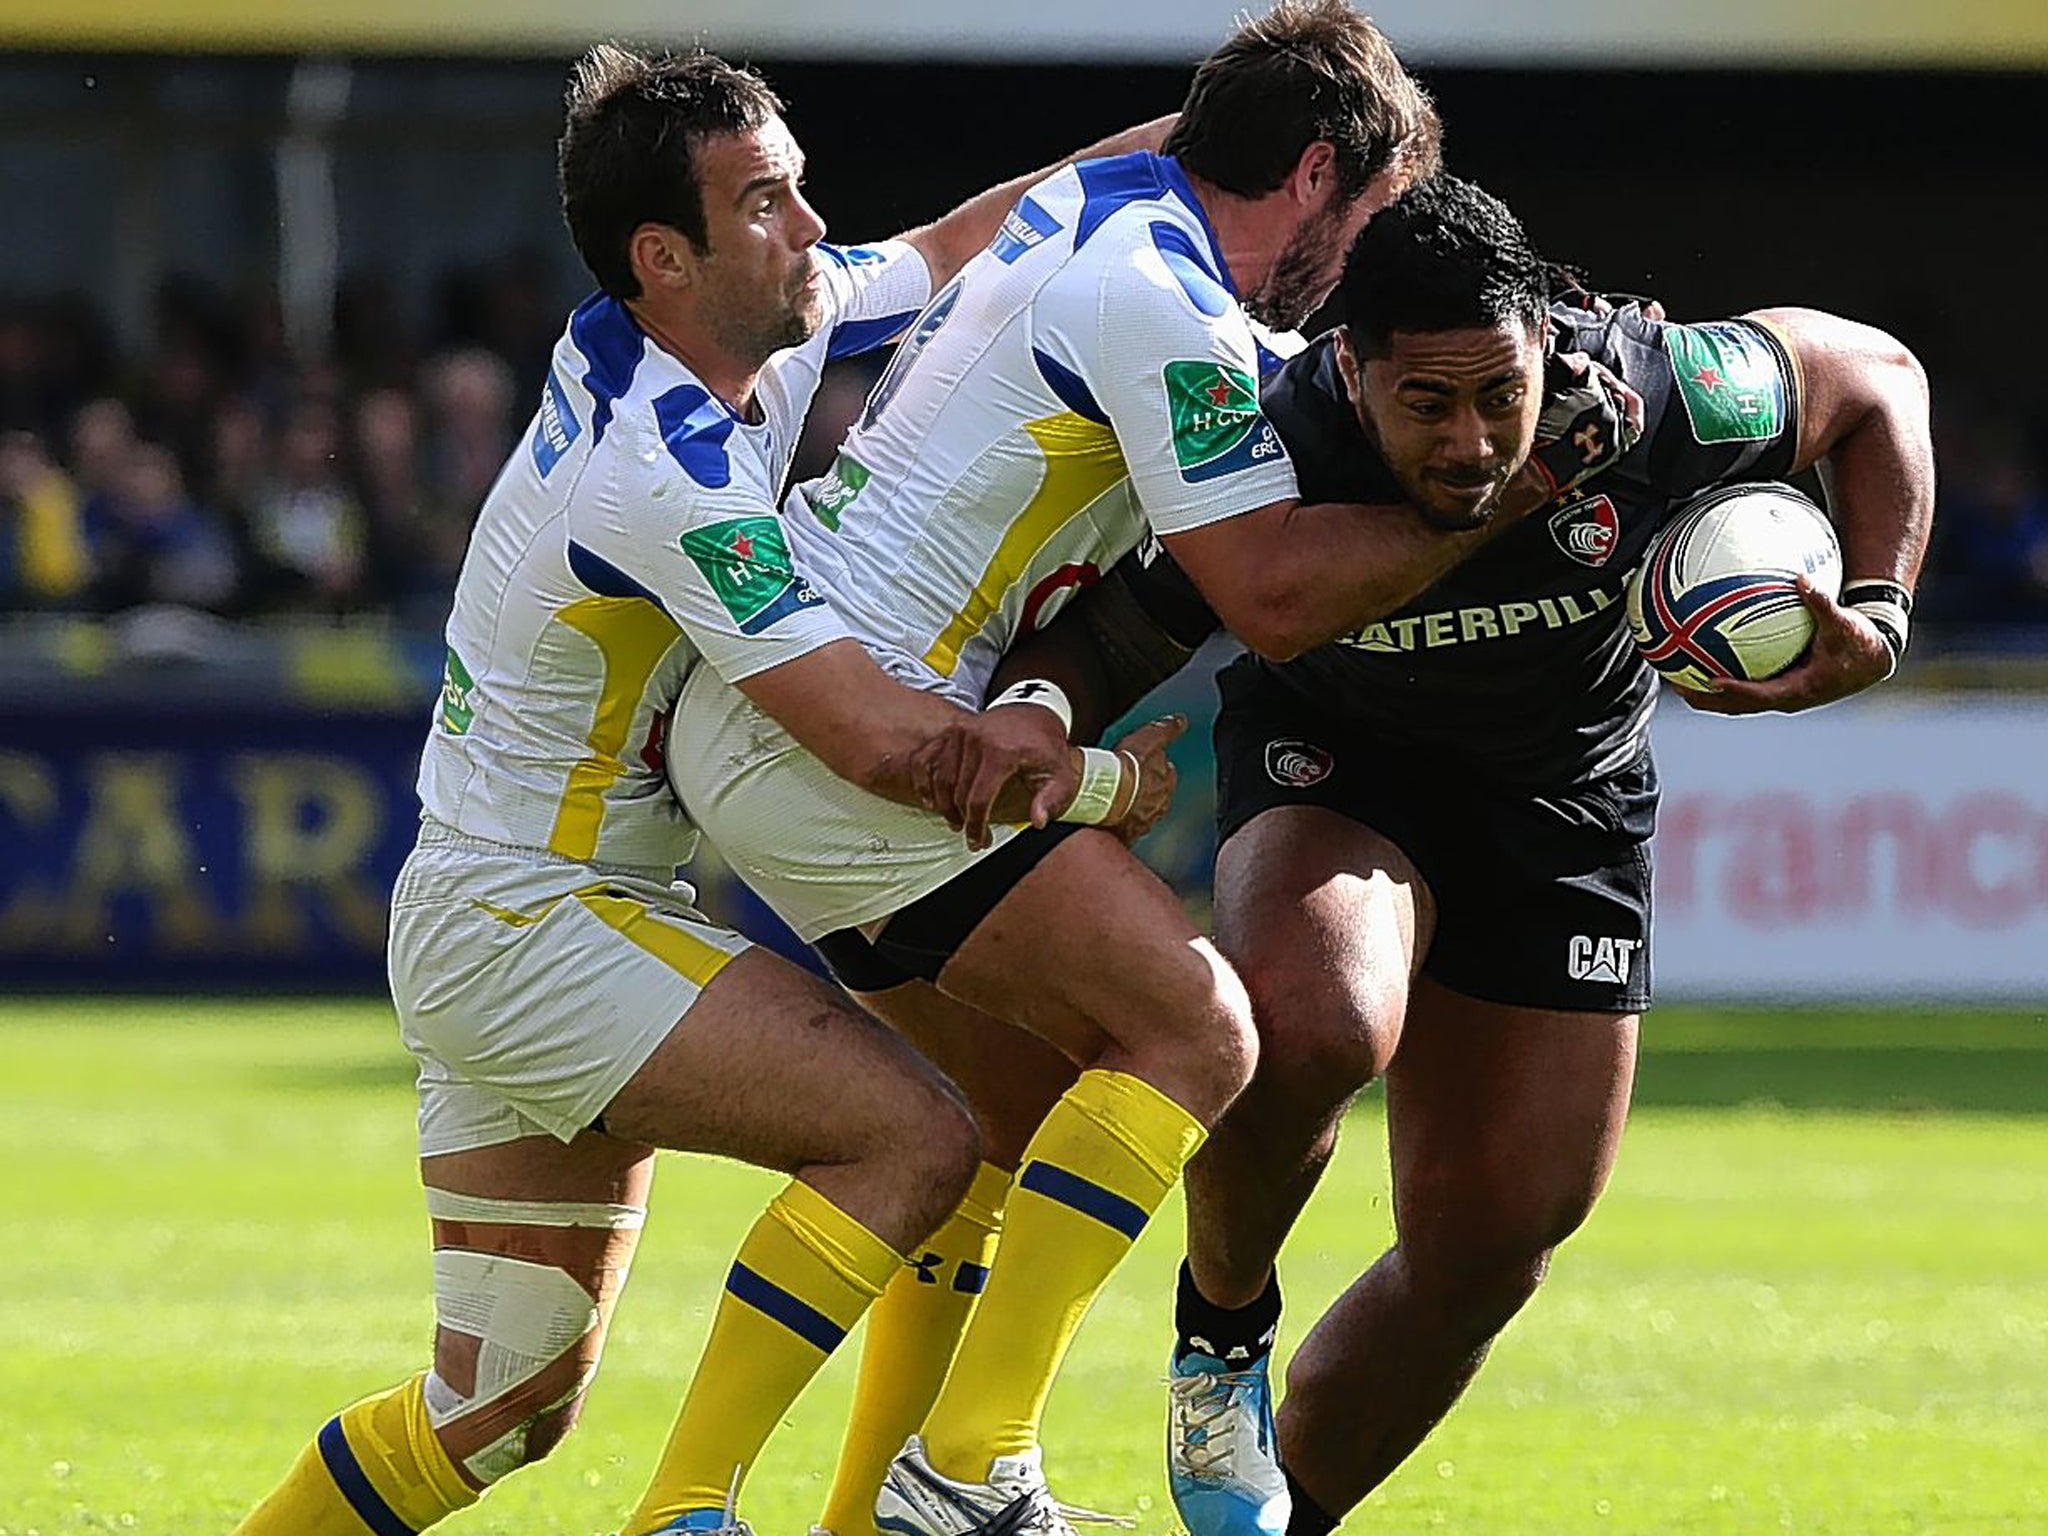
(1177, 179)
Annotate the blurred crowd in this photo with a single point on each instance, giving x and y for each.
(218, 473)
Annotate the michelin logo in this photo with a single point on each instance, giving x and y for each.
(555, 429)
(1608, 960)
(1026, 225)
(1496, 621)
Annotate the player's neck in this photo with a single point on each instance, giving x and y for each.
(728, 377)
(1250, 231)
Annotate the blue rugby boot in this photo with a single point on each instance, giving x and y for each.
(1222, 1460)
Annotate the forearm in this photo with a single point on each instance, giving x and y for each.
(1323, 571)
(1881, 483)
(843, 709)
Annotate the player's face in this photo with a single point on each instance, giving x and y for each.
(758, 277)
(1453, 413)
(1309, 265)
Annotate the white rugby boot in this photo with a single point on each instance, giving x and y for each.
(919, 1500)
(1222, 1458)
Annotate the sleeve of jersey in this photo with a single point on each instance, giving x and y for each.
(1723, 402)
(713, 558)
(1176, 370)
(872, 294)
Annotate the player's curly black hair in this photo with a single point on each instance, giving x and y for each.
(1447, 256)
(628, 150)
(1306, 70)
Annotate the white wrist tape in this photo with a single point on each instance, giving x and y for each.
(1036, 690)
(1887, 605)
(1102, 777)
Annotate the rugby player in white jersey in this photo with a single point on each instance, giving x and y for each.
(570, 1012)
(1091, 375)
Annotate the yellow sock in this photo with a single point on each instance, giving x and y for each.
(1091, 1178)
(912, 1333)
(801, 1279)
(376, 1467)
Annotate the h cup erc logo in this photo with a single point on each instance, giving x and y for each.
(1296, 764)
(1588, 530)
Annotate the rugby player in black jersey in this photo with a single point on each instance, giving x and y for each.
(1435, 833)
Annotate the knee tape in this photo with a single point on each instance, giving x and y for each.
(532, 1331)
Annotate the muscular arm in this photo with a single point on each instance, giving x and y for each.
(1294, 575)
(864, 725)
(948, 243)
(1863, 415)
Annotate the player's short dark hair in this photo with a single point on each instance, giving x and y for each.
(629, 146)
(1306, 70)
(1447, 256)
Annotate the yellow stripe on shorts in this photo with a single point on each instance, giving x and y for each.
(1082, 460)
(677, 948)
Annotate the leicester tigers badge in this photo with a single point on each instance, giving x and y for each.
(1297, 764)
(1587, 530)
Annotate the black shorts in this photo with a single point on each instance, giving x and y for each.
(1542, 901)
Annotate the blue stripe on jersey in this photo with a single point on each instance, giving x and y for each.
(1177, 179)
(851, 255)
(1107, 185)
(850, 338)
(347, 1473)
(1069, 386)
(695, 427)
(1177, 249)
(1085, 1196)
(611, 344)
(970, 1279)
(795, 1314)
(604, 578)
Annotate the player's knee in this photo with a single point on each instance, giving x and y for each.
(938, 1159)
(1222, 1044)
(1318, 1045)
(1477, 1291)
(519, 1338)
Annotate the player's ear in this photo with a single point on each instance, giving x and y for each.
(662, 257)
(1347, 366)
(1314, 173)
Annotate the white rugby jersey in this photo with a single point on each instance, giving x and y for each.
(633, 531)
(1089, 374)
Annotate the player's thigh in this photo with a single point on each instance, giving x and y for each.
(1089, 944)
(1503, 1123)
(1326, 920)
(1010, 1076)
(775, 1067)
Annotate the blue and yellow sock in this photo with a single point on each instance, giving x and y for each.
(802, 1278)
(375, 1467)
(912, 1334)
(1091, 1178)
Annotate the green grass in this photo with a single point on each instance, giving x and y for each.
(1815, 1299)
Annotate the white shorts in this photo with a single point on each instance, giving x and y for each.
(823, 853)
(531, 988)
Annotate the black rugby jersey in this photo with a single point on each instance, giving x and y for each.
(1516, 669)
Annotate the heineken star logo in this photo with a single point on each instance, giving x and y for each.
(1708, 378)
(742, 547)
(1219, 392)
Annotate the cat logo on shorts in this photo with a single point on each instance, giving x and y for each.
(1587, 530)
(1297, 764)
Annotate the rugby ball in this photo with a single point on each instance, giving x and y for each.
(1714, 600)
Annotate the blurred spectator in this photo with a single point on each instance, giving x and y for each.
(416, 540)
(43, 561)
(306, 526)
(151, 543)
(469, 396)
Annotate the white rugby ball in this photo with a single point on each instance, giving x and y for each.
(1714, 600)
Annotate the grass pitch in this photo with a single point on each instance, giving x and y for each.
(1814, 1300)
